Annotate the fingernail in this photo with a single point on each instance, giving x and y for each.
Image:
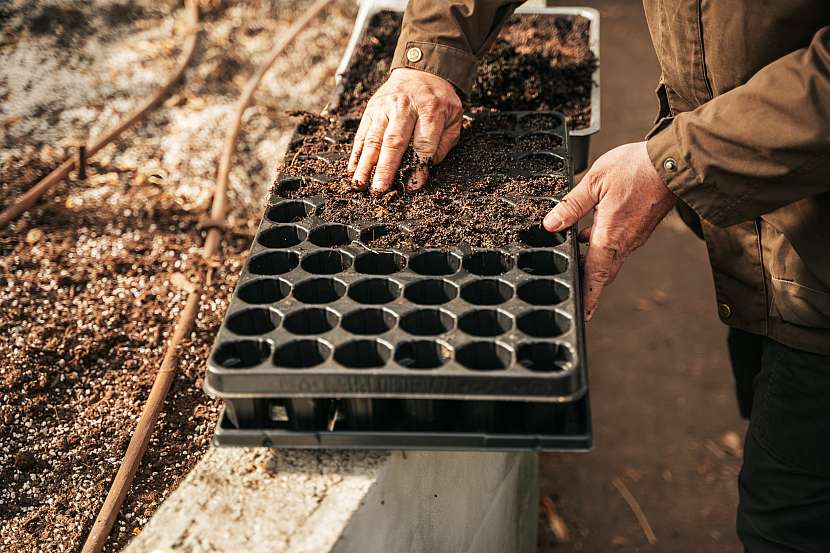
(552, 222)
(357, 184)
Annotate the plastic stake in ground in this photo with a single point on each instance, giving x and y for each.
(164, 379)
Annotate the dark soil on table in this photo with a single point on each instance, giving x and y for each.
(477, 196)
(538, 63)
(91, 292)
(88, 298)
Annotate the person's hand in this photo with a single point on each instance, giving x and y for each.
(411, 104)
(629, 198)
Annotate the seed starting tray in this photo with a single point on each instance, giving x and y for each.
(330, 343)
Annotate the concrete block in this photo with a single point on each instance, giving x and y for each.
(252, 501)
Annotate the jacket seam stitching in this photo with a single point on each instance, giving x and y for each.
(703, 50)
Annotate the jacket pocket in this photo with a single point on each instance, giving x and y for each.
(801, 305)
(796, 294)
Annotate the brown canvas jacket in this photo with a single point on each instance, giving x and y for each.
(742, 138)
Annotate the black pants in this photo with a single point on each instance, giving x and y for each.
(784, 485)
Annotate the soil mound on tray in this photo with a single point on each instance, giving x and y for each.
(479, 195)
(538, 63)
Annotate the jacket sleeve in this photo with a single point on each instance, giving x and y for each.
(756, 148)
(447, 37)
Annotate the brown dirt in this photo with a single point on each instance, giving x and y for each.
(87, 277)
(533, 66)
(88, 304)
(474, 197)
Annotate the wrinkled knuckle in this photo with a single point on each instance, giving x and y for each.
(432, 106)
(569, 207)
(611, 249)
(424, 146)
(600, 275)
(373, 141)
(401, 102)
(395, 142)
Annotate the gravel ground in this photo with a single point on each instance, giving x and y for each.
(87, 278)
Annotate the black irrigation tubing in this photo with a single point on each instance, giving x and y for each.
(164, 378)
(31, 196)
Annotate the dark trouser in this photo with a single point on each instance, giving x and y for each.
(784, 484)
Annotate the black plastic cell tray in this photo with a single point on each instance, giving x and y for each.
(333, 329)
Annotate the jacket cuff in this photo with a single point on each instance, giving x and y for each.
(454, 65)
(674, 167)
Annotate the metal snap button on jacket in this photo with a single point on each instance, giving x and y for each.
(414, 54)
(670, 165)
(724, 311)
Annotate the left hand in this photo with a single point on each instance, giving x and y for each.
(629, 198)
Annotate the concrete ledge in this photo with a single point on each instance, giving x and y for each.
(252, 501)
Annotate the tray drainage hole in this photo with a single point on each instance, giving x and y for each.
(431, 291)
(312, 320)
(300, 354)
(369, 321)
(283, 236)
(253, 321)
(363, 354)
(537, 237)
(543, 263)
(376, 232)
(326, 262)
(541, 162)
(242, 354)
(487, 291)
(375, 291)
(542, 292)
(484, 356)
(435, 263)
(427, 322)
(544, 357)
(543, 323)
(290, 211)
(379, 263)
(331, 235)
(274, 263)
(488, 263)
(485, 322)
(264, 290)
(422, 354)
(319, 290)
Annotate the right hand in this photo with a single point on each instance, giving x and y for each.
(411, 104)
